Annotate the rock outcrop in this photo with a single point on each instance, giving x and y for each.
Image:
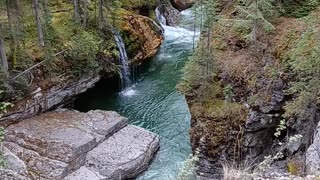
(143, 36)
(167, 14)
(313, 153)
(42, 100)
(182, 4)
(73, 145)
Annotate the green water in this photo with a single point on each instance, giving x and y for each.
(154, 103)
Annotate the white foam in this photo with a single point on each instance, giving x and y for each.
(129, 92)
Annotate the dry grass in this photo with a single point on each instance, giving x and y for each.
(237, 172)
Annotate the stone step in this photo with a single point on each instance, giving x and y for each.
(124, 155)
(84, 174)
(55, 144)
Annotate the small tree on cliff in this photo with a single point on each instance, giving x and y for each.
(257, 12)
(210, 18)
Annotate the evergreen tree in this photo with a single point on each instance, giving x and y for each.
(257, 12)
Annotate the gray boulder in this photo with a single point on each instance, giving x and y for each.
(125, 154)
(55, 145)
(313, 154)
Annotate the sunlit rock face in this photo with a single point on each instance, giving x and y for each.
(143, 36)
(182, 4)
(69, 144)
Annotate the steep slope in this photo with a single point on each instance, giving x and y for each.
(246, 97)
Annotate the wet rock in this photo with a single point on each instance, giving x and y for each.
(169, 13)
(182, 4)
(125, 154)
(64, 143)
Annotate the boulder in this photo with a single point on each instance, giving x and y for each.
(125, 154)
(167, 15)
(144, 37)
(84, 174)
(313, 153)
(76, 145)
(182, 4)
(13, 162)
(7, 174)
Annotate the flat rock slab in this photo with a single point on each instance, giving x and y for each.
(65, 135)
(84, 174)
(125, 154)
(55, 144)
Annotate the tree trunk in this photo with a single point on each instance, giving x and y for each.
(13, 33)
(4, 61)
(85, 14)
(254, 29)
(100, 16)
(38, 22)
(76, 11)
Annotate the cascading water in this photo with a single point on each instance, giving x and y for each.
(156, 106)
(124, 62)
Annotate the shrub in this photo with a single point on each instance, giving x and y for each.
(84, 47)
(187, 172)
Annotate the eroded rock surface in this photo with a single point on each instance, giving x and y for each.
(170, 15)
(313, 153)
(56, 144)
(145, 34)
(42, 100)
(182, 4)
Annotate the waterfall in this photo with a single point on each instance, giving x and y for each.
(124, 62)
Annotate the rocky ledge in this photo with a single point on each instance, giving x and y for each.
(71, 145)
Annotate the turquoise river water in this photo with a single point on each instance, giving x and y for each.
(153, 101)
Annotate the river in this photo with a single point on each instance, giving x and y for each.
(153, 101)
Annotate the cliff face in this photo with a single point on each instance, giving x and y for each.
(238, 97)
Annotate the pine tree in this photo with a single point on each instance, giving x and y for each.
(210, 19)
(257, 12)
